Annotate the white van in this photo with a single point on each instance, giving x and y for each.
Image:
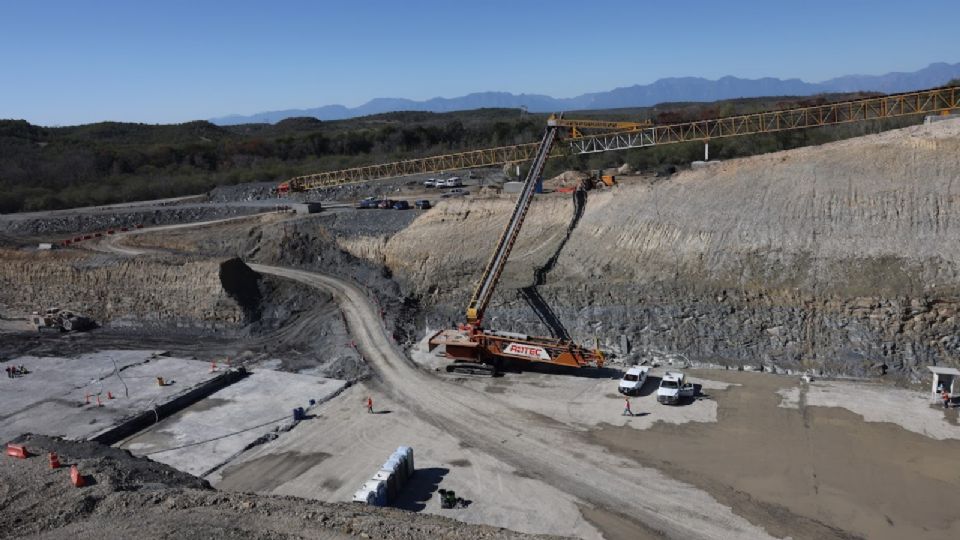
(673, 388)
(633, 380)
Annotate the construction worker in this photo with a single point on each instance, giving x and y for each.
(369, 404)
(626, 407)
(9, 371)
(946, 398)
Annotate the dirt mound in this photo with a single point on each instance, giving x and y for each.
(129, 497)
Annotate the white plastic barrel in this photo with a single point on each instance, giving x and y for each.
(364, 496)
(393, 483)
(408, 454)
(401, 460)
(381, 494)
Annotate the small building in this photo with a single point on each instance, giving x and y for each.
(945, 378)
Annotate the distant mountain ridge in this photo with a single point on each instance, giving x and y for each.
(660, 91)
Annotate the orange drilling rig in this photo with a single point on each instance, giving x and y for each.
(476, 349)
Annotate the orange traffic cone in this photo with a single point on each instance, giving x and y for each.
(54, 460)
(99, 404)
(109, 395)
(213, 366)
(75, 477)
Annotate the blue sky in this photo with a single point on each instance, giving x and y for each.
(70, 62)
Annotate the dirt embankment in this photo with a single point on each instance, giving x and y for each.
(348, 244)
(128, 497)
(118, 291)
(841, 257)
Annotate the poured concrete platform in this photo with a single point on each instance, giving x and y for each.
(50, 400)
(209, 433)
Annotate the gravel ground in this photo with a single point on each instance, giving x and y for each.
(130, 497)
(60, 225)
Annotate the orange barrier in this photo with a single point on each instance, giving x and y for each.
(54, 460)
(17, 451)
(75, 477)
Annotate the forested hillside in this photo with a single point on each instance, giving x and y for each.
(59, 167)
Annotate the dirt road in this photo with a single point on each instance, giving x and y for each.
(112, 244)
(652, 503)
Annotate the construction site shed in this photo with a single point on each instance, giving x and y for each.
(945, 378)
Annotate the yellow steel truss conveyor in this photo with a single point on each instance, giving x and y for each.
(637, 135)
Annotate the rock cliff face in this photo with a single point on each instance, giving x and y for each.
(842, 258)
(118, 291)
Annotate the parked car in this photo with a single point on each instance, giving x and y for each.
(401, 205)
(633, 380)
(430, 183)
(422, 204)
(673, 388)
(367, 203)
(386, 204)
(456, 192)
(453, 181)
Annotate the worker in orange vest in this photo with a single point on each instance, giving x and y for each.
(369, 404)
(946, 398)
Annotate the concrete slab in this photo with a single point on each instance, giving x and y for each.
(50, 399)
(910, 409)
(209, 433)
(329, 457)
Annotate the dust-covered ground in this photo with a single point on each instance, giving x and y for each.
(128, 497)
(809, 471)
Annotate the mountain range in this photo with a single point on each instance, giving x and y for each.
(663, 90)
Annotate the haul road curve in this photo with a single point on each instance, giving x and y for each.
(537, 446)
(542, 448)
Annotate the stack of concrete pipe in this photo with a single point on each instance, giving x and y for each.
(387, 482)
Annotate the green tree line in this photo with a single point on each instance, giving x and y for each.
(45, 168)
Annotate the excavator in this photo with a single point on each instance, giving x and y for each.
(474, 349)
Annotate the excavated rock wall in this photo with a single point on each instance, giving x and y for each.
(840, 258)
(119, 291)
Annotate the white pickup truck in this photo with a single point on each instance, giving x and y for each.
(633, 380)
(673, 388)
